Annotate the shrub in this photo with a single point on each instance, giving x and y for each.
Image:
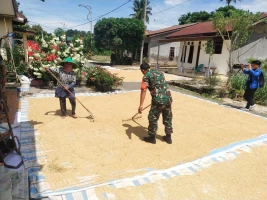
(237, 85)
(99, 76)
(261, 94)
(212, 81)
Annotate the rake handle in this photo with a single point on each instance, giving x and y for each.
(70, 93)
(142, 110)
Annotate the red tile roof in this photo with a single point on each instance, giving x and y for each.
(166, 30)
(199, 29)
(264, 15)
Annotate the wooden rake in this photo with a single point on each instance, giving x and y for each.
(91, 116)
(135, 116)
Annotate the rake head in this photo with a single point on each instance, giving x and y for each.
(133, 118)
(91, 117)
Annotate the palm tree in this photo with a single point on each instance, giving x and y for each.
(139, 10)
(229, 1)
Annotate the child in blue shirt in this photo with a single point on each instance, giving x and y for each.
(253, 83)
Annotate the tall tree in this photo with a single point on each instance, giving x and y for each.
(235, 37)
(119, 34)
(194, 17)
(203, 16)
(230, 1)
(59, 32)
(139, 10)
(226, 11)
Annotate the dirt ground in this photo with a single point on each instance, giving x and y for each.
(79, 150)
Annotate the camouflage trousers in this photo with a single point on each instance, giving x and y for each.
(153, 117)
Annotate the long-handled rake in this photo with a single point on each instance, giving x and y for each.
(134, 117)
(91, 116)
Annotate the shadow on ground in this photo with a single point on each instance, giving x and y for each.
(139, 131)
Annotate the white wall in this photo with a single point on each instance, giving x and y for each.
(6, 8)
(164, 50)
(256, 48)
(3, 27)
(218, 60)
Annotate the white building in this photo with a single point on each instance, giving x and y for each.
(194, 38)
(158, 51)
(193, 42)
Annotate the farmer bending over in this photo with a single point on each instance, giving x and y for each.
(161, 103)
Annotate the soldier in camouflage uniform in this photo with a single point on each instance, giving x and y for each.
(155, 82)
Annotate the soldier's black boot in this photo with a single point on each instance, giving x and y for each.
(151, 139)
(167, 138)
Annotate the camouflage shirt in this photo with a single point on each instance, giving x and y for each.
(155, 82)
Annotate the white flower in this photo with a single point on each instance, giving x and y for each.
(53, 51)
(42, 69)
(58, 53)
(37, 55)
(37, 73)
(54, 67)
(71, 45)
(31, 58)
(47, 65)
(81, 46)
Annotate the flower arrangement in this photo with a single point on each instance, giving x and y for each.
(50, 51)
(100, 77)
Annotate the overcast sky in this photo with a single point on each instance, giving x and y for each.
(52, 14)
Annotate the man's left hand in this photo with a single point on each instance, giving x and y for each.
(66, 87)
(140, 109)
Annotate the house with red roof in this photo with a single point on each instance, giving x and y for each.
(193, 41)
(161, 52)
(194, 38)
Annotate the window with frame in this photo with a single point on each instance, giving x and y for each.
(171, 55)
(218, 45)
(191, 53)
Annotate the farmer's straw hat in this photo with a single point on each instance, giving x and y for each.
(69, 60)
